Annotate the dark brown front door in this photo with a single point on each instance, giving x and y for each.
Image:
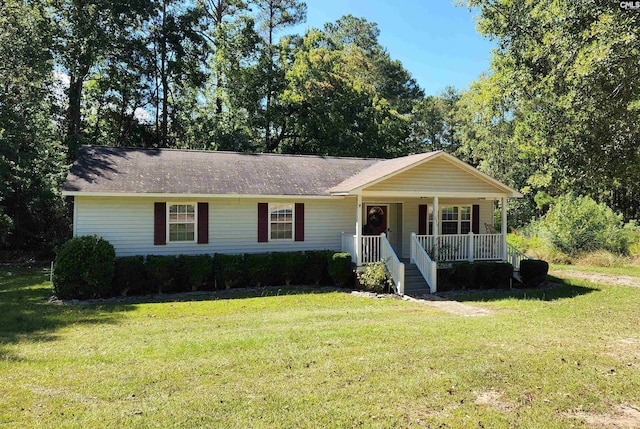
(375, 220)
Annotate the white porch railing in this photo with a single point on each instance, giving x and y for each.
(371, 249)
(427, 267)
(349, 245)
(515, 257)
(393, 264)
(462, 247)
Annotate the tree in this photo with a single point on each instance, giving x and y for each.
(178, 48)
(31, 156)
(435, 122)
(273, 16)
(571, 71)
(337, 109)
(391, 80)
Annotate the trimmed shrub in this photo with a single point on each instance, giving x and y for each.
(84, 268)
(259, 269)
(374, 278)
(288, 267)
(130, 276)
(317, 267)
(460, 276)
(195, 272)
(229, 271)
(340, 268)
(163, 272)
(503, 273)
(481, 275)
(533, 272)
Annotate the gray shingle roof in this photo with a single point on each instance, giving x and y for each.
(131, 170)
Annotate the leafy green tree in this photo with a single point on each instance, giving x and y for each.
(570, 71)
(337, 110)
(31, 155)
(435, 122)
(273, 16)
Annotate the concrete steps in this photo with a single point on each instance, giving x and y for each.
(414, 283)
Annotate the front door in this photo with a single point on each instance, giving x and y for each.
(375, 220)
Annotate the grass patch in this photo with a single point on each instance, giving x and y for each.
(624, 270)
(316, 360)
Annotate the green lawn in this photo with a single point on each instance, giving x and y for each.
(317, 360)
(626, 270)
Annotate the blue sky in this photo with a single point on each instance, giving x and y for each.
(435, 40)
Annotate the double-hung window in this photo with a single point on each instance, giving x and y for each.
(456, 219)
(182, 222)
(281, 221)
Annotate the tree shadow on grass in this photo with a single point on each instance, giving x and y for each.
(26, 316)
(551, 290)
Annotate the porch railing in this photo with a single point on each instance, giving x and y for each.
(427, 267)
(349, 245)
(370, 248)
(393, 264)
(462, 247)
(515, 257)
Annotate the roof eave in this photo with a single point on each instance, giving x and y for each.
(191, 195)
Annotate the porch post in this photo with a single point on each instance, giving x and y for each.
(358, 245)
(436, 228)
(504, 228)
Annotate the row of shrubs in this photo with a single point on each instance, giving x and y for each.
(86, 267)
(491, 275)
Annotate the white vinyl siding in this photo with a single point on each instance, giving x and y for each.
(127, 223)
(438, 175)
(233, 223)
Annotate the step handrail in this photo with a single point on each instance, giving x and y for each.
(427, 267)
(392, 263)
(515, 257)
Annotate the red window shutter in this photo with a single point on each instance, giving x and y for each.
(475, 219)
(299, 234)
(203, 223)
(422, 219)
(159, 223)
(263, 222)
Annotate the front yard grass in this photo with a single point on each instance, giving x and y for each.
(547, 358)
(625, 270)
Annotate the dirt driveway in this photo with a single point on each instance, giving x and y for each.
(607, 279)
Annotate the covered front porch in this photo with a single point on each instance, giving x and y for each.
(426, 233)
(426, 210)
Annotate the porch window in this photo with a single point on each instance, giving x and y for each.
(456, 219)
(182, 222)
(281, 221)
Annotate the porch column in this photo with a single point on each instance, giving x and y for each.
(504, 228)
(436, 228)
(358, 246)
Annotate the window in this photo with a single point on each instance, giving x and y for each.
(182, 222)
(456, 220)
(281, 221)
